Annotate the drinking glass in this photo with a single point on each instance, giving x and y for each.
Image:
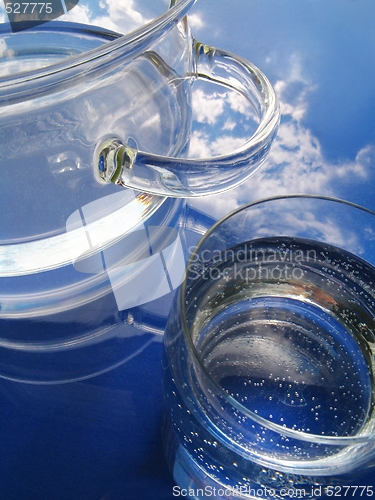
(269, 354)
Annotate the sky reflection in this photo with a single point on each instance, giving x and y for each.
(324, 79)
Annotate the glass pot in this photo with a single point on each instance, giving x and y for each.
(84, 111)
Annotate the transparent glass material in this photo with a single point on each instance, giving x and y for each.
(76, 100)
(190, 177)
(269, 352)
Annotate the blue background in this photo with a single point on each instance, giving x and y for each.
(100, 439)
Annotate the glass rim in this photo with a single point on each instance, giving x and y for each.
(136, 37)
(362, 437)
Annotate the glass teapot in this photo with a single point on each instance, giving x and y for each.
(85, 111)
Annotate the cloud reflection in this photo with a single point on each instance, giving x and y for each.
(222, 121)
(296, 163)
(122, 16)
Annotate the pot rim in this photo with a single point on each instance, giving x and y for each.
(129, 44)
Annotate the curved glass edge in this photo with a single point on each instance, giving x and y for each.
(133, 43)
(364, 437)
(57, 251)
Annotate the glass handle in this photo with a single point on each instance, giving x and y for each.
(189, 177)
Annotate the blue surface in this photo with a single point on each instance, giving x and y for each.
(97, 439)
(100, 439)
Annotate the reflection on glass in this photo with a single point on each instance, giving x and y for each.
(223, 120)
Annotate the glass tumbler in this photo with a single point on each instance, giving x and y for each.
(269, 355)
